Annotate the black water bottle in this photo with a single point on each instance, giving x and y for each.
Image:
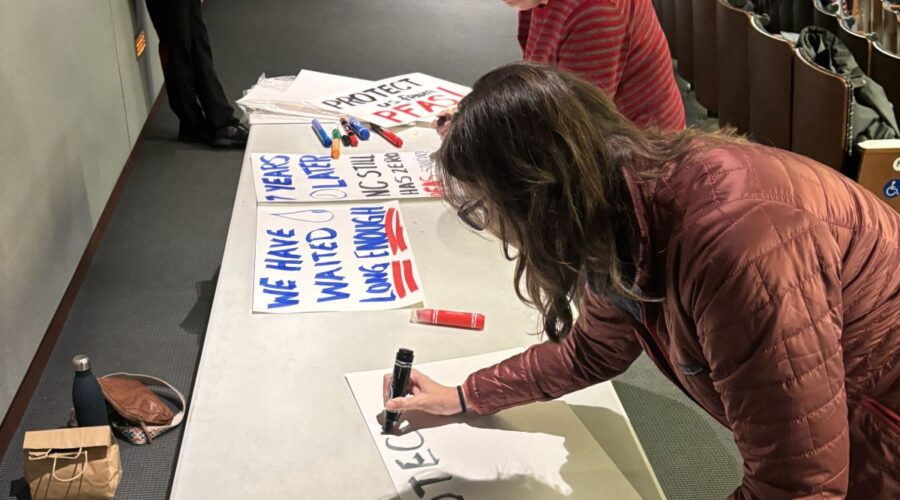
(90, 407)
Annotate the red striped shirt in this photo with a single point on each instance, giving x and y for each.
(616, 44)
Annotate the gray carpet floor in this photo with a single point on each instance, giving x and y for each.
(145, 301)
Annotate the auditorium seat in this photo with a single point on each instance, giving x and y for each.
(859, 44)
(803, 13)
(684, 44)
(705, 62)
(868, 15)
(885, 70)
(669, 25)
(879, 170)
(770, 89)
(890, 18)
(821, 104)
(732, 33)
(822, 18)
(877, 17)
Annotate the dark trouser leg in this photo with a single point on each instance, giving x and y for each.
(171, 19)
(219, 112)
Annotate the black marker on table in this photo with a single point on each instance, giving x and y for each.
(399, 381)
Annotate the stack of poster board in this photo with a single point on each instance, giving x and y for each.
(398, 100)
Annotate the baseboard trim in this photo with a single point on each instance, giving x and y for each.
(33, 375)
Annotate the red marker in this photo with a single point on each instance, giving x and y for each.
(471, 321)
(346, 125)
(387, 135)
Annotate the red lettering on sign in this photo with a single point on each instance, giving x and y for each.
(387, 115)
(427, 106)
(442, 100)
(405, 108)
(431, 186)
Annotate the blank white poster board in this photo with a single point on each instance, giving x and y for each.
(339, 257)
(317, 178)
(537, 451)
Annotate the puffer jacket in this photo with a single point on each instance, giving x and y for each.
(780, 316)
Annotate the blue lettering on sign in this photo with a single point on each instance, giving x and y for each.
(284, 292)
(320, 169)
(377, 283)
(276, 176)
(369, 234)
(282, 254)
(322, 242)
(892, 188)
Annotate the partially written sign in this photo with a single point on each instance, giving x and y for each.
(353, 257)
(395, 101)
(537, 451)
(299, 178)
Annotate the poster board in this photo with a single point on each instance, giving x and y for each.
(317, 178)
(537, 451)
(347, 257)
(270, 101)
(394, 101)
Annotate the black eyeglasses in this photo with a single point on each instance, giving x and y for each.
(474, 214)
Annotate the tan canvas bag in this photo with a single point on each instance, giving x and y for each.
(80, 463)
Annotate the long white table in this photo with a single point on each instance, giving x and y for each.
(271, 415)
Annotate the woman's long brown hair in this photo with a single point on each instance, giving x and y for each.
(546, 152)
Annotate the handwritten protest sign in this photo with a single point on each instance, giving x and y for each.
(298, 178)
(353, 257)
(537, 451)
(394, 101)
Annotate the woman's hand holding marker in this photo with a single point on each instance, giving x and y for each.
(425, 395)
(442, 123)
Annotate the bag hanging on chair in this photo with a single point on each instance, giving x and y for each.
(72, 464)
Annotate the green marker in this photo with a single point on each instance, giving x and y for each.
(336, 144)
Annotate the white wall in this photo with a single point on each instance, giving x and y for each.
(73, 99)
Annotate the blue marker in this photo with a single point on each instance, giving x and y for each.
(358, 128)
(323, 136)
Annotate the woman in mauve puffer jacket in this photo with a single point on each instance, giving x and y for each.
(763, 284)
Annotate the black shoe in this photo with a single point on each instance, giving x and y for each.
(231, 136)
(192, 135)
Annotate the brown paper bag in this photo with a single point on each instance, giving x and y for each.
(80, 463)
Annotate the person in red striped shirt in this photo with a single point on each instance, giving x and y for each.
(618, 45)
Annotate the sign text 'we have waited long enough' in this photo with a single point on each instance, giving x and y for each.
(347, 257)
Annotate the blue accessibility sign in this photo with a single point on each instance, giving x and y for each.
(892, 188)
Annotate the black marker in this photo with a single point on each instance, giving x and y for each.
(402, 369)
(449, 112)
